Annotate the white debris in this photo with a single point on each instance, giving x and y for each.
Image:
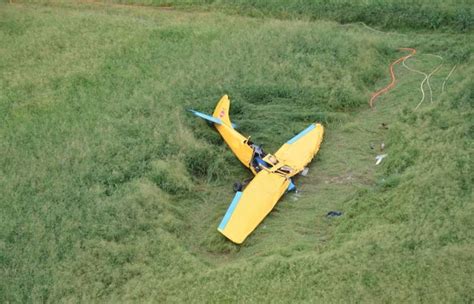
(305, 171)
(379, 158)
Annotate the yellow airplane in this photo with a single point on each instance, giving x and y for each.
(273, 173)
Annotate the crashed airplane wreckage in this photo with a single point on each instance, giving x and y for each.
(273, 173)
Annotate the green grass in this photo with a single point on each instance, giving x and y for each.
(110, 191)
(453, 15)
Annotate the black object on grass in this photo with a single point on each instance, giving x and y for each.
(334, 213)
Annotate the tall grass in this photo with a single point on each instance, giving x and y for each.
(428, 15)
(111, 191)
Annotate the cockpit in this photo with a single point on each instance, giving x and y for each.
(265, 161)
(258, 162)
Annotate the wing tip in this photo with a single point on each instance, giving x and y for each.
(230, 210)
(301, 134)
(233, 240)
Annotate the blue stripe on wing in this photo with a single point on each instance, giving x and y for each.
(301, 134)
(229, 212)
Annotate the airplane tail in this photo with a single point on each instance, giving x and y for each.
(222, 110)
(220, 115)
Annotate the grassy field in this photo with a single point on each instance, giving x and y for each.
(452, 15)
(110, 191)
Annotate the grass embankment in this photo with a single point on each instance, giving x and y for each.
(451, 15)
(111, 191)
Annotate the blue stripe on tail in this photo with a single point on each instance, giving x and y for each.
(207, 117)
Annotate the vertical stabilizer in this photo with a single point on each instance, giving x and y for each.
(222, 111)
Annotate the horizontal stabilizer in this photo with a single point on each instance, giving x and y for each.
(207, 117)
(211, 118)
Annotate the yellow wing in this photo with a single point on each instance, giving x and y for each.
(249, 208)
(300, 150)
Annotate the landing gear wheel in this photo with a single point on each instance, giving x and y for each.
(237, 187)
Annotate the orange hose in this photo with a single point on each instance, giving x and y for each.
(392, 75)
